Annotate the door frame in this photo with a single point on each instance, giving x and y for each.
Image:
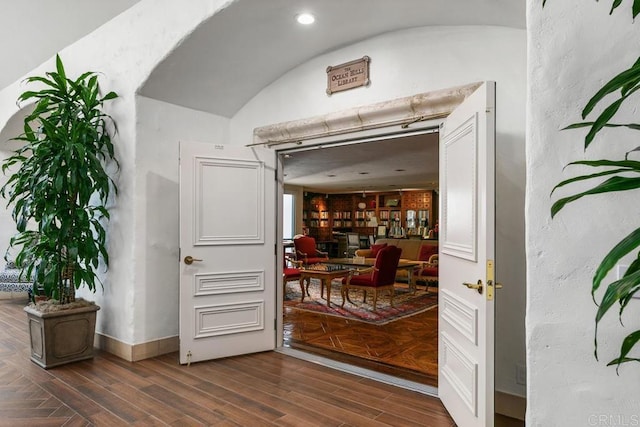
(424, 110)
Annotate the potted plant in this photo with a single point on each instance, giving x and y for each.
(58, 188)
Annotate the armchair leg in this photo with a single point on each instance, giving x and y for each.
(344, 291)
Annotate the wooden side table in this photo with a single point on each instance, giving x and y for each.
(325, 278)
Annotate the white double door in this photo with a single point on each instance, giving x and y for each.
(228, 197)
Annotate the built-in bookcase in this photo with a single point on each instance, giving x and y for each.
(324, 214)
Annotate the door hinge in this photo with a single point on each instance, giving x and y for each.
(275, 324)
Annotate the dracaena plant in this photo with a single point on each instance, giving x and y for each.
(612, 175)
(59, 183)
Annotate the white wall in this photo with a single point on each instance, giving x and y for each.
(574, 47)
(420, 60)
(125, 50)
(160, 128)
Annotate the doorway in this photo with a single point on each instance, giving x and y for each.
(351, 180)
(374, 122)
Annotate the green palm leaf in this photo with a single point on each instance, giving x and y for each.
(634, 126)
(624, 247)
(627, 344)
(626, 77)
(605, 116)
(614, 293)
(616, 183)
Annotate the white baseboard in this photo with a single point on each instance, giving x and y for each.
(510, 405)
(136, 352)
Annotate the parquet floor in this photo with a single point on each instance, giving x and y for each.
(406, 348)
(265, 389)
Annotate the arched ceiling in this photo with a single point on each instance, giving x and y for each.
(247, 46)
(251, 43)
(38, 29)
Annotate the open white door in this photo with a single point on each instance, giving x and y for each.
(227, 265)
(466, 316)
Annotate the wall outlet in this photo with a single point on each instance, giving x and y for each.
(621, 269)
(521, 374)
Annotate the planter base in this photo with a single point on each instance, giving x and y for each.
(61, 337)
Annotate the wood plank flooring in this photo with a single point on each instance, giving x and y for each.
(406, 348)
(257, 390)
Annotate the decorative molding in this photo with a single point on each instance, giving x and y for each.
(225, 319)
(460, 191)
(460, 372)
(239, 226)
(228, 282)
(425, 106)
(460, 315)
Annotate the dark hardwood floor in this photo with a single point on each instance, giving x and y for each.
(406, 348)
(256, 390)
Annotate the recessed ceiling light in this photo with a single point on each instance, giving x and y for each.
(305, 18)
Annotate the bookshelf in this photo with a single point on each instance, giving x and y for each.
(325, 214)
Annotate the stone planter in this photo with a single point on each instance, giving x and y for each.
(63, 336)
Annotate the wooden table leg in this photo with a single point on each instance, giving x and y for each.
(328, 291)
(412, 279)
(302, 288)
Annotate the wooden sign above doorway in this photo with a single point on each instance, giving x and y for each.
(348, 75)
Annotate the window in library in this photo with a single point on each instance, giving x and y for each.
(288, 217)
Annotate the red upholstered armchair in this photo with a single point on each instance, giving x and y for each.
(306, 251)
(428, 273)
(291, 271)
(382, 276)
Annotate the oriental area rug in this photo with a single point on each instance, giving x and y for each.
(405, 303)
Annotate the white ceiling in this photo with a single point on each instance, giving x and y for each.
(229, 59)
(41, 28)
(393, 164)
(238, 45)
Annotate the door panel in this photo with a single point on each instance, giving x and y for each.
(241, 220)
(227, 289)
(467, 235)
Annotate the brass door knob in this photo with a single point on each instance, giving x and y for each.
(189, 259)
(477, 286)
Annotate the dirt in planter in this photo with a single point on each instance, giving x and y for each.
(52, 305)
